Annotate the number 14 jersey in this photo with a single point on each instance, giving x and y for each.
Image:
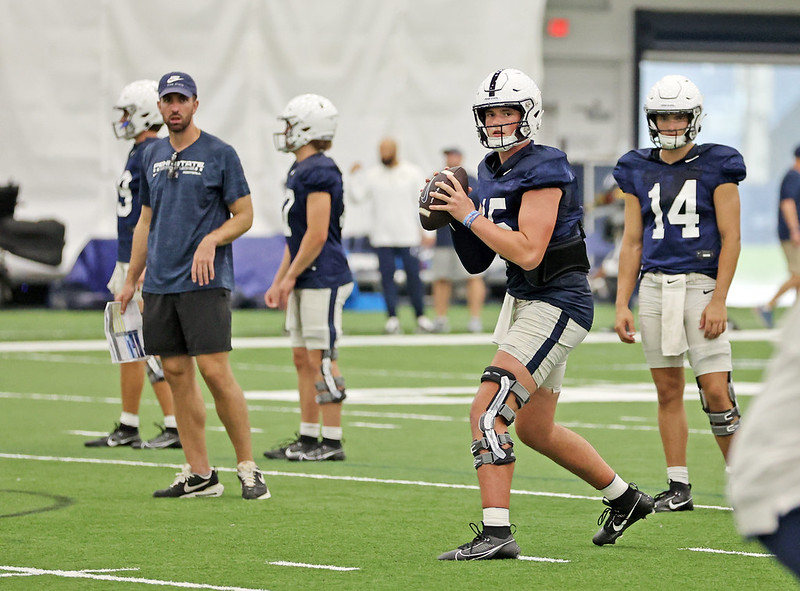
(679, 224)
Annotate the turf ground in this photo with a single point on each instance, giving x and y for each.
(78, 518)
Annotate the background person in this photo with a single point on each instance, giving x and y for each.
(314, 279)
(789, 236)
(139, 121)
(392, 189)
(682, 234)
(195, 203)
(448, 272)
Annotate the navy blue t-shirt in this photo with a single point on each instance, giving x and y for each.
(790, 189)
(187, 208)
(501, 188)
(316, 174)
(679, 223)
(129, 206)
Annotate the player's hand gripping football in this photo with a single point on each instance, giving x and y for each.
(456, 200)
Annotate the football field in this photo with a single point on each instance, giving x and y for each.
(77, 518)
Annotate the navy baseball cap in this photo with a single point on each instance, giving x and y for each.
(797, 152)
(177, 82)
(451, 150)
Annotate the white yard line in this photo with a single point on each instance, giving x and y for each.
(732, 552)
(355, 341)
(364, 479)
(318, 566)
(25, 571)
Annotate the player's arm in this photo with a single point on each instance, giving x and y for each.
(271, 297)
(318, 215)
(240, 222)
(138, 257)
(789, 212)
(630, 263)
(714, 319)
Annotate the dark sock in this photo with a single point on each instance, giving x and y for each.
(307, 439)
(332, 442)
(498, 531)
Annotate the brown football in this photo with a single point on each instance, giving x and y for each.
(432, 219)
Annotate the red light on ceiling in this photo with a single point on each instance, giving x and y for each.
(558, 27)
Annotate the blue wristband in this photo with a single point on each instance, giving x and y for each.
(470, 219)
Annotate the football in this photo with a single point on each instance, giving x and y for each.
(431, 219)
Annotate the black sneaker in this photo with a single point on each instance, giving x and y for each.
(300, 449)
(168, 438)
(120, 436)
(619, 515)
(188, 485)
(253, 485)
(279, 452)
(324, 451)
(677, 498)
(484, 547)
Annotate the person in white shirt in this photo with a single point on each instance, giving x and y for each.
(391, 189)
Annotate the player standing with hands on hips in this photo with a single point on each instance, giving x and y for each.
(314, 279)
(682, 235)
(195, 203)
(530, 215)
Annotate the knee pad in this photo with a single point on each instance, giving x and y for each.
(330, 389)
(155, 371)
(492, 440)
(724, 423)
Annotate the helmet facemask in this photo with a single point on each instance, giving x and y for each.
(511, 89)
(307, 117)
(140, 101)
(674, 95)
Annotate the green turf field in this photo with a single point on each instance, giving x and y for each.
(78, 518)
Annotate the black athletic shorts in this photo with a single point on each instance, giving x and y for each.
(189, 323)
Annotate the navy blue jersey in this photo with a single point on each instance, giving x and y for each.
(501, 188)
(187, 208)
(443, 235)
(316, 174)
(129, 206)
(679, 222)
(790, 189)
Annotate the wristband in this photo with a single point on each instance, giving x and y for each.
(471, 217)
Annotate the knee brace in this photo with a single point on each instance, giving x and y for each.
(492, 440)
(155, 371)
(330, 389)
(725, 423)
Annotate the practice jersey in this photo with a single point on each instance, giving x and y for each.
(316, 174)
(501, 187)
(790, 189)
(208, 178)
(679, 223)
(129, 206)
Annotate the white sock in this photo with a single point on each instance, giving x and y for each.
(309, 429)
(496, 517)
(170, 422)
(332, 433)
(616, 489)
(678, 474)
(129, 419)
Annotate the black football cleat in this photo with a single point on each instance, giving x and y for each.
(484, 547)
(677, 498)
(122, 435)
(188, 485)
(620, 515)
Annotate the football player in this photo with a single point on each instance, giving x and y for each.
(314, 279)
(529, 214)
(139, 120)
(682, 237)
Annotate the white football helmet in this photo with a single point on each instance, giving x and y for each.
(140, 100)
(508, 88)
(674, 94)
(307, 117)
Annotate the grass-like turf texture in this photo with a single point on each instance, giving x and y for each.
(406, 492)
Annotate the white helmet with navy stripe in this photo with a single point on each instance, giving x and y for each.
(508, 88)
(307, 117)
(671, 95)
(140, 101)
